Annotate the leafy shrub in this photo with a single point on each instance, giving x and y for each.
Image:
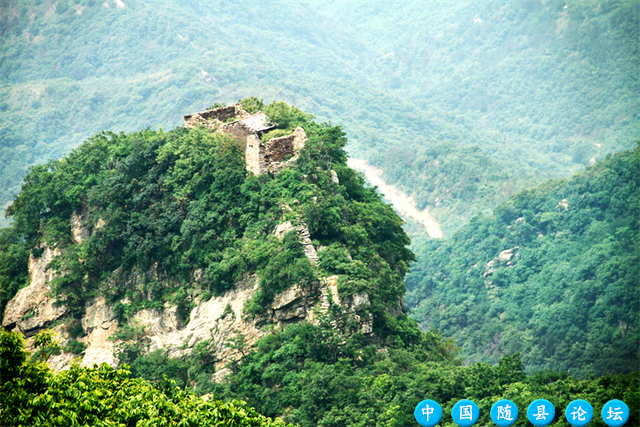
(276, 133)
(75, 347)
(32, 393)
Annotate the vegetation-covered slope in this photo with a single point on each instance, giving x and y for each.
(542, 86)
(553, 274)
(102, 396)
(315, 379)
(536, 74)
(181, 201)
(122, 68)
(515, 91)
(306, 373)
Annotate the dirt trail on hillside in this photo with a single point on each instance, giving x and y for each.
(404, 204)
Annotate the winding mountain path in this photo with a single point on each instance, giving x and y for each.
(404, 204)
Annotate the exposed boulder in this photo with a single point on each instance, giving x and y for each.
(99, 322)
(33, 308)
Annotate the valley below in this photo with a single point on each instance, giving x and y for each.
(403, 204)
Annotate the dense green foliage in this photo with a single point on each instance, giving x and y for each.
(32, 394)
(160, 207)
(173, 217)
(316, 377)
(14, 256)
(538, 88)
(567, 297)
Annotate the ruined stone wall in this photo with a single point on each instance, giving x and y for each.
(238, 131)
(212, 118)
(279, 149)
(277, 154)
(300, 139)
(255, 155)
(282, 152)
(221, 114)
(197, 120)
(225, 113)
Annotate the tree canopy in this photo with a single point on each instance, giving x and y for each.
(103, 396)
(552, 274)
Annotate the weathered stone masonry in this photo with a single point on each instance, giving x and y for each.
(212, 118)
(247, 129)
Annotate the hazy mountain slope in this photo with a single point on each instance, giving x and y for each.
(547, 86)
(72, 69)
(552, 274)
(398, 80)
(547, 81)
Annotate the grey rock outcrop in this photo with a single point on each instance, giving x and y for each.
(33, 308)
(99, 323)
(220, 321)
(504, 258)
(217, 320)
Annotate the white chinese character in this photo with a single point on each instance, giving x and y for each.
(579, 413)
(504, 412)
(541, 415)
(465, 412)
(615, 415)
(427, 411)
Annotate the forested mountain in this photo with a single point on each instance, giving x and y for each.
(552, 274)
(180, 201)
(461, 104)
(166, 222)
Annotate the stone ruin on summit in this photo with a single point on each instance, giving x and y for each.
(270, 156)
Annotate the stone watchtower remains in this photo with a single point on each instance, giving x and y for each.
(270, 156)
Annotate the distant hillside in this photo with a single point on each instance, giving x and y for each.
(545, 87)
(552, 274)
(459, 103)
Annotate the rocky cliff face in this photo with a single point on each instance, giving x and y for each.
(33, 308)
(218, 319)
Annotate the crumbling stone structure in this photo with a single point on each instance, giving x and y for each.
(275, 154)
(213, 118)
(247, 129)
